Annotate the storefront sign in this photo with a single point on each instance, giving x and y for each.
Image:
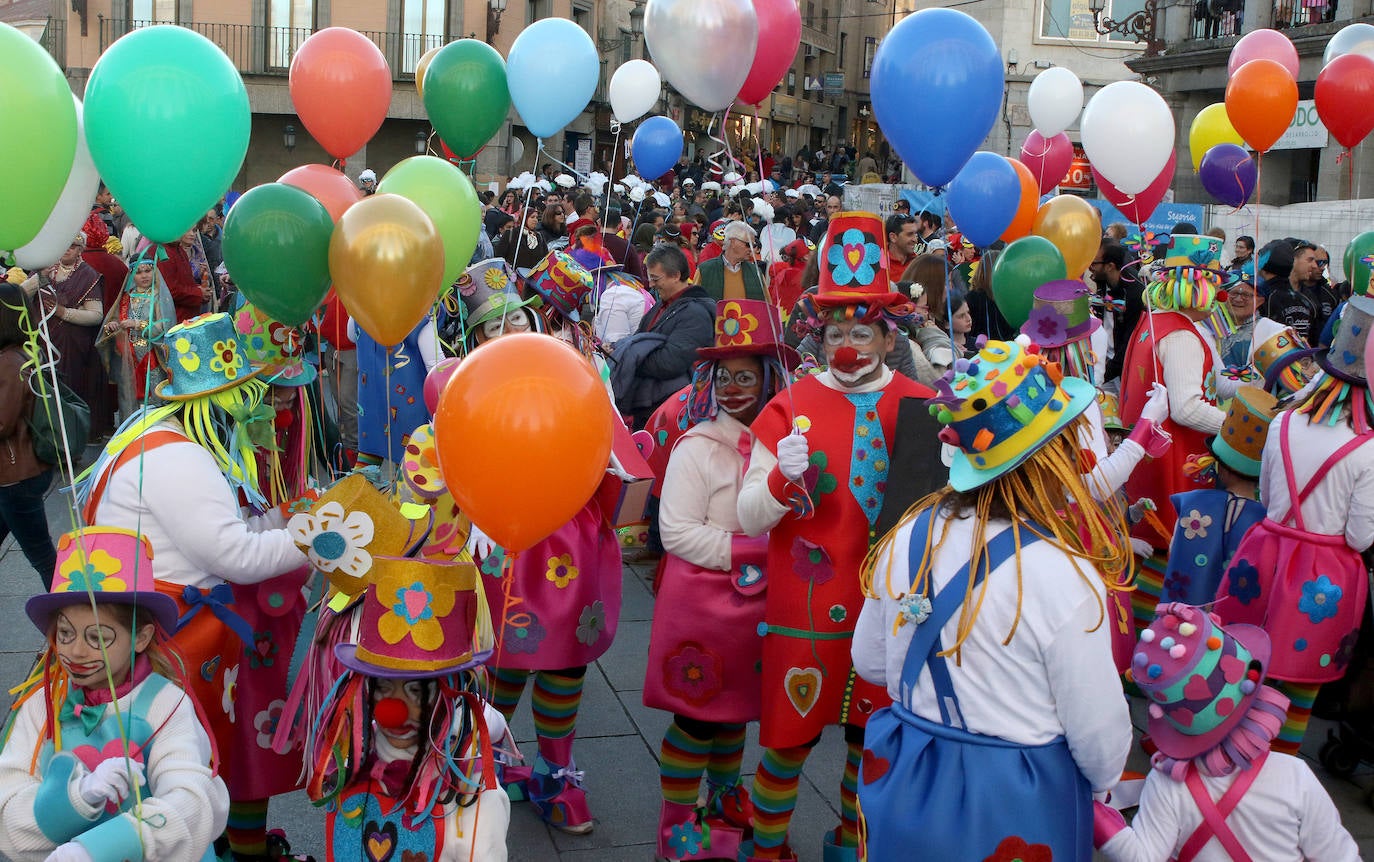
(834, 84)
(1306, 131)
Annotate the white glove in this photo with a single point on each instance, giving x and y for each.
(70, 852)
(794, 456)
(109, 781)
(1156, 409)
(479, 545)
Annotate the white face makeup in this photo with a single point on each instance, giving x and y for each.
(78, 636)
(739, 386)
(853, 351)
(402, 729)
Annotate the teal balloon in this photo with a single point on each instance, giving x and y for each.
(167, 123)
(1020, 269)
(276, 246)
(466, 97)
(446, 195)
(553, 70)
(39, 141)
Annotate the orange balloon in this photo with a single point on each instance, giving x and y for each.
(387, 262)
(1261, 99)
(1024, 219)
(1074, 227)
(340, 84)
(523, 433)
(421, 66)
(327, 185)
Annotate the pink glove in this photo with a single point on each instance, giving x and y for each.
(1153, 439)
(745, 550)
(1107, 821)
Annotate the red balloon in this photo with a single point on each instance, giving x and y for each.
(328, 186)
(1345, 98)
(1138, 207)
(1049, 159)
(341, 87)
(779, 36)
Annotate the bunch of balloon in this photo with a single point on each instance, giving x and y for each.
(446, 195)
(984, 198)
(1229, 174)
(147, 136)
(1054, 100)
(341, 87)
(1211, 127)
(1345, 90)
(1022, 267)
(1049, 159)
(276, 243)
(1128, 135)
(552, 72)
(1028, 203)
(465, 93)
(1073, 227)
(1262, 93)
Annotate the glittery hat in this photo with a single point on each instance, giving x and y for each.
(1191, 276)
(202, 357)
(1199, 677)
(278, 349)
(562, 282)
(1276, 355)
(1001, 406)
(488, 291)
(853, 264)
(1345, 360)
(109, 564)
(1243, 432)
(1060, 314)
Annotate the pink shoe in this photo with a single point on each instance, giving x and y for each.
(683, 835)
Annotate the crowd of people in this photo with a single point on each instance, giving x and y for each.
(876, 505)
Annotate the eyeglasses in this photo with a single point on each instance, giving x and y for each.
(1322, 264)
(742, 379)
(861, 335)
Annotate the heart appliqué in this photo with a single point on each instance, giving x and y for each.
(416, 602)
(1355, 329)
(803, 685)
(1232, 668)
(1197, 688)
(873, 767)
(1348, 357)
(853, 255)
(749, 575)
(208, 669)
(263, 644)
(379, 842)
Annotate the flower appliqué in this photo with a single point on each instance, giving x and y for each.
(522, 633)
(1320, 599)
(810, 562)
(93, 572)
(495, 278)
(685, 839)
(913, 608)
(854, 259)
(265, 723)
(334, 539)
(561, 571)
(1195, 524)
(1243, 583)
(187, 358)
(1015, 849)
(231, 690)
(415, 610)
(817, 477)
(1048, 325)
(591, 623)
(735, 327)
(226, 360)
(693, 673)
(263, 652)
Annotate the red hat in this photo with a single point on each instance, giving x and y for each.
(578, 224)
(853, 264)
(749, 327)
(798, 249)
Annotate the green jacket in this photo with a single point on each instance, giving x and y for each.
(711, 277)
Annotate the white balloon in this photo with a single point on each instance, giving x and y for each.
(1054, 100)
(773, 238)
(704, 48)
(71, 211)
(634, 89)
(1128, 134)
(1352, 39)
(517, 150)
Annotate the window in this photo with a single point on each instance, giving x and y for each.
(791, 82)
(424, 24)
(538, 9)
(156, 11)
(582, 17)
(870, 48)
(289, 23)
(844, 40)
(1073, 19)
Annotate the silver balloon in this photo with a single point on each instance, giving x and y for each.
(1352, 39)
(704, 48)
(517, 150)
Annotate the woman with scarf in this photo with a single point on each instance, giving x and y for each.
(142, 311)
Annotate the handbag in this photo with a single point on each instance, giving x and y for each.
(53, 411)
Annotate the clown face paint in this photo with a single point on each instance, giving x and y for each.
(738, 386)
(396, 710)
(854, 351)
(78, 636)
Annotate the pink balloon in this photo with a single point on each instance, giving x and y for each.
(779, 36)
(1264, 45)
(1138, 207)
(436, 380)
(1048, 158)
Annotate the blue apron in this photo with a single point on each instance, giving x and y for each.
(957, 795)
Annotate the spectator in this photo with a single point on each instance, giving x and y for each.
(1245, 250)
(367, 182)
(928, 226)
(735, 274)
(1120, 284)
(1309, 274)
(1283, 301)
(901, 241)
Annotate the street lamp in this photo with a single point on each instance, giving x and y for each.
(421, 143)
(1141, 25)
(637, 27)
(288, 137)
(494, 10)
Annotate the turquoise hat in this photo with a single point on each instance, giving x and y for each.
(202, 357)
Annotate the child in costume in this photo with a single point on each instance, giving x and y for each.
(987, 622)
(181, 474)
(105, 758)
(816, 480)
(1216, 791)
(704, 648)
(401, 752)
(391, 382)
(1298, 573)
(1212, 521)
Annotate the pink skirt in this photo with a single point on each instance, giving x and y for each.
(705, 652)
(1306, 590)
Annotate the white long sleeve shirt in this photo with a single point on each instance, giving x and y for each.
(618, 313)
(698, 514)
(1343, 502)
(1056, 676)
(1181, 356)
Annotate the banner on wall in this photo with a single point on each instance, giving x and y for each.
(1162, 220)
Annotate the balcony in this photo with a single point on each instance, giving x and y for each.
(54, 40)
(257, 49)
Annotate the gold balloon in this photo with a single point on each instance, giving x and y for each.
(387, 262)
(1075, 229)
(420, 68)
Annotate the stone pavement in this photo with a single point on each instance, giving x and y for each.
(617, 746)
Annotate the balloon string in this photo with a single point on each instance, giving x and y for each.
(575, 172)
(767, 292)
(1040, 156)
(724, 149)
(520, 231)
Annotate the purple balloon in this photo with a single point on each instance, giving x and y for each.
(1229, 173)
(1049, 159)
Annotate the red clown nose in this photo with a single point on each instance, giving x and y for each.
(391, 713)
(846, 359)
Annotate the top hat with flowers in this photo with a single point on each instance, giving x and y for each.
(562, 282)
(854, 266)
(418, 621)
(749, 327)
(1276, 355)
(489, 291)
(1191, 276)
(1345, 361)
(1061, 314)
(202, 357)
(1199, 677)
(107, 564)
(274, 347)
(1240, 442)
(1001, 406)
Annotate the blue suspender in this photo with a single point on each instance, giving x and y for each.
(925, 643)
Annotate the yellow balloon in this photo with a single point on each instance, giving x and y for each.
(1073, 226)
(421, 66)
(387, 262)
(1211, 127)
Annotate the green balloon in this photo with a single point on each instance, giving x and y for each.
(466, 96)
(1357, 272)
(450, 201)
(1020, 269)
(276, 246)
(167, 123)
(39, 142)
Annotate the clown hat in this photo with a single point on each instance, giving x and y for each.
(1243, 432)
(202, 357)
(1191, 276)
(418, 621)
(1195, 251)
(749, 327)
(1061, 314)
(1277, 350)
(1000, 407)
(275, 348)
(1200, 678)
(1111, 411)
(562, 282)
(111, 564)
(1345, 360)
(488, 290)
(853, 264)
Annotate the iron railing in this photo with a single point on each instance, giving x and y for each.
(1217, 19)
(54, 41)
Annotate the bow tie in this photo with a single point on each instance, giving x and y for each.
(75, 708)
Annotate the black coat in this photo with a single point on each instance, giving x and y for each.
(687, 323)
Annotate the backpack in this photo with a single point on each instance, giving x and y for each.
(45, 426)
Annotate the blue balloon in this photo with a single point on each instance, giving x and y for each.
(937, 89)
(656, 147)
(552, 73)
(984, 197)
